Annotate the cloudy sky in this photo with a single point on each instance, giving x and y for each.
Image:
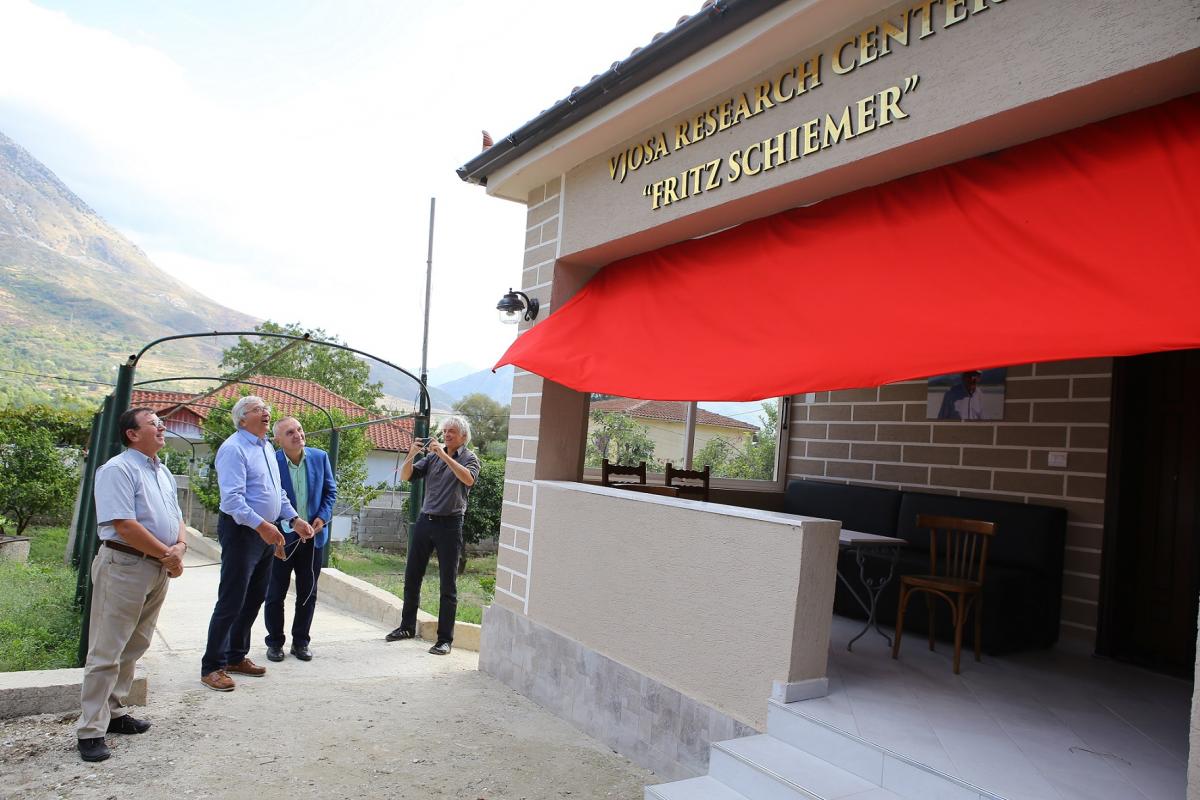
(280, 156)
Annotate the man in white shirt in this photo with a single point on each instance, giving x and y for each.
(142, 544)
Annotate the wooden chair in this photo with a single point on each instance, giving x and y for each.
(623, 474)
(956, 575)
(691, 483)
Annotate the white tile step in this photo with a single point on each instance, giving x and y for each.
(704, 788)
(907, 777)
(767, 768)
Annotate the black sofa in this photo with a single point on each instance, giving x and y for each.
(1023, 581)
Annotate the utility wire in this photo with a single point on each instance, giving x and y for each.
(54, 377)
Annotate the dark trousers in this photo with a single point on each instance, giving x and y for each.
(245, 570)
(443, 534)
(305, 561)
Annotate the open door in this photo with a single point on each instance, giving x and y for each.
(1150, 581)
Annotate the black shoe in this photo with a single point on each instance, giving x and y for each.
(127, 724)
(93, 749)
(302, 652)
(400, 633)
(440, 649)
(274, 654)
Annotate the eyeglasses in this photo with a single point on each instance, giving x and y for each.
(155, 422)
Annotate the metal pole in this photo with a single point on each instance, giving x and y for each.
(111, 444)
(428, 285)
(334, 443)
(86, 546)
(421, 423)
(83, 583)
(86, 486)
(121, 397)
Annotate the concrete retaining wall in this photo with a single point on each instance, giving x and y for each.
(51, 691)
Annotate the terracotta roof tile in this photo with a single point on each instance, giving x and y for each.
(394, 435)
(671, 411)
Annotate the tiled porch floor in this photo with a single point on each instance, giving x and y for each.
(1050, 724)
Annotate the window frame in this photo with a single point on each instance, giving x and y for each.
(782, 444)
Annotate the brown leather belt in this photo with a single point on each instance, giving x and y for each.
(124, 548)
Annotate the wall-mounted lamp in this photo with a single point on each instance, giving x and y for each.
(512, 310)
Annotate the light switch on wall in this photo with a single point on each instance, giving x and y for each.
(1056, 458)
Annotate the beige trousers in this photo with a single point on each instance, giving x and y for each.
(127, 593)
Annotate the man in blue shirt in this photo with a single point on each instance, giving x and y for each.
(310, 486)
(141, 530)
(252, 502)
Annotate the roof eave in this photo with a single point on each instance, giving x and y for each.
(685, 39)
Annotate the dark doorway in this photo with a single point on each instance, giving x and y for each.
(1151, 564)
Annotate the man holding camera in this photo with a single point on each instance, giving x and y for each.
(450, 471)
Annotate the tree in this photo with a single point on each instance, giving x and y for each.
(36, 477)
(748, 460)
(482, 520)
(620, 439)
(68, 427)
(489, 422)
(179, 463)
(351, 474)
(337, 370)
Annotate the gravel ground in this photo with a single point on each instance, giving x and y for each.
(363, 719)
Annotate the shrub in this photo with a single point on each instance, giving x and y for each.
(39, 624)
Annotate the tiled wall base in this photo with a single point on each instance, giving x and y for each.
(650, 724)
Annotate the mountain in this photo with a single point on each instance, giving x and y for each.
(496, 385)
(77, 297)
(400, 391)
(445, 373)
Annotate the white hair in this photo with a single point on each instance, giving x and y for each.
(277, 425)
(459, 424)
(243, 405)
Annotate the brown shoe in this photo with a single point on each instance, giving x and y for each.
(218, 681)
(247, 667)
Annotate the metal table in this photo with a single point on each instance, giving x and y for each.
(863, 544)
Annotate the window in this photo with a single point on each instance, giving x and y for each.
(740, 441)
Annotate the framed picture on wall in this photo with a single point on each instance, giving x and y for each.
(967, 396)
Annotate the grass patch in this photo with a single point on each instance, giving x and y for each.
(475, 586)
(39, 624)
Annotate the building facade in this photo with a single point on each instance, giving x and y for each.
(694, 616)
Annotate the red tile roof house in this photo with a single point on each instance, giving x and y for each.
(665, 420)
(389, 440)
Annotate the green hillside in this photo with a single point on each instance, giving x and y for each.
(76, 297)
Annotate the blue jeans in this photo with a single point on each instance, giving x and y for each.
(443, 534)
(245, 570)
(305, 561)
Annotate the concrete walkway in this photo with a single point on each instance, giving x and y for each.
(365, 718)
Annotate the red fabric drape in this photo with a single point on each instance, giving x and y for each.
(1086, 243)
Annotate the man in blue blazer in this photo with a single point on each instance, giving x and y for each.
(307, 478)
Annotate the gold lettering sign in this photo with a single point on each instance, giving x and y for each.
(919, 21)
(806, 139)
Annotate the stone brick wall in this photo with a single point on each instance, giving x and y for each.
(382, 529)
(194, 513)
(881, 437)
(516, 522)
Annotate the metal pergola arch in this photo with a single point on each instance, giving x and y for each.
(104, 441)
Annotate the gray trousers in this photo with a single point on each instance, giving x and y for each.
(127, 593)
